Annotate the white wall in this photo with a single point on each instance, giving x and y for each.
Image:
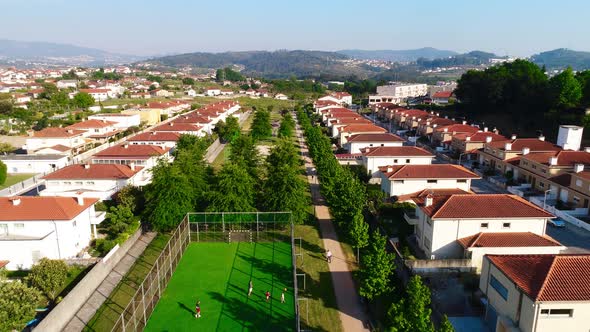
(353, 147)
(413, 185)
(65, 240)
(36, 143)
(373, 163)
(478, 253)
(122, 122)
(34, 166)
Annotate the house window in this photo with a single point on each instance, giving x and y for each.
(90, 183)
(79, 183)
(427, 243)
(534, 166)
(462, 181)
(506, 225)
(544, 170)
(579, 183)
(74, 223)
(19, 226)
(398, 181)
(407, 161)
(546, 313)
(484, 225)
(395, 161)
(576, 199)
(67, 183)
(541, 184)
(431, 181)
(500, 289)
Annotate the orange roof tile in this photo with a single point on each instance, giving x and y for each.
(42, 208)
(94, 171)
(362, 128)
(397, 151)
(508, 239)
(132, 150)
(434, 171)
(385, 137)
(156, 136)
(57, 132)
(91, 124)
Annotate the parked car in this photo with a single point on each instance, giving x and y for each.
(557, 223)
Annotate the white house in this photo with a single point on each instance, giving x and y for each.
(357, 128)
(536, 293)
(280, 96)
(190, 93)
(33, 164)
(97, 94)
(127, 154)
(211, 92)
(51, 136)
(100, 181)
(357, 143)
(373, 158)
(442, 220)
(408, 179)
(342, 98)
(64, 84)
(96, 129)
(162, 139)
(32, 228)
(181, 128)
(121, 121)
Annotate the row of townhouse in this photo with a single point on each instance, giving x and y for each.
(502, 236)
(62, 220)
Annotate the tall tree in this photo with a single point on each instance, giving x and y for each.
(583, 78)
(376, 268)
(83, 100)
(261, 127)
(412, 313)
(566, 90)
(234, 190)
(228, 130)
(3, 172)
(445, 325)
(287, 126)
(169, 197)
(244, 153)
(17, 305)
(49, 276)
(358, 233)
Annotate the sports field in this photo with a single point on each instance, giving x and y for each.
(217, 274)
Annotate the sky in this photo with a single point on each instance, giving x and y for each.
(148, 27)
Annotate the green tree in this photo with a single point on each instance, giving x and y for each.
(83, 100)
(376, 268)
(261, 127)
(188, 81)
(131, 197)
(6, 103)
(169, 197)
(60, 98)
(228, 130)
(565, 89)
(445, 325)
(583, 78)
(6, 148)
(119, 219)
(412, 313)
(49, 276)
(287, 126)
(244, 153)
(358, 233)
(17, 305)
(234, 190)
(3, 172)
(49, 89)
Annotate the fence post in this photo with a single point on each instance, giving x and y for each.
(143, 303)
(158, 269)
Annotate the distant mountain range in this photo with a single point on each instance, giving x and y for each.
(399, 55)
(55, 53)
(562, 58)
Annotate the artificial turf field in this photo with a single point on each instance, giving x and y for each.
(217, 274)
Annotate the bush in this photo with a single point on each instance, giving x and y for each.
(3, 172)
(49, 276)
(103, 246)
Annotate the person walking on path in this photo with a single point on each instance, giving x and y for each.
(267, 294)
(198, 309)
(283, 295)
(250, 288)
(329, 256)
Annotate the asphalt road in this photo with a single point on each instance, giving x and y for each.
(576, 239)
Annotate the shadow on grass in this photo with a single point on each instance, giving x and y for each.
(185, 307)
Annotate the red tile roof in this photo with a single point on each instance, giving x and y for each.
(3, 263)
(385, 137)
(91, 124)
(362, 128)
(132, 150)
(509, 239)
(94, 171)
(172, 126)
(60, 147)
(443, 94)
(548, 278)
(434, 171)
(565, 158)
(534, 144)
(156, 136)
(482, 206)
(480, 136)
(458, 128)
(42, 208)
(396, 151)
(420, 195)
(57, 132)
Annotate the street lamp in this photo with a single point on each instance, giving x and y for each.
(545, 198)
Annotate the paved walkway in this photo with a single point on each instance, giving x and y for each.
(104, 290)
(212, 153)
(352, 314)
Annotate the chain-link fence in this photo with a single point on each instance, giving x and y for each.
(139, 309)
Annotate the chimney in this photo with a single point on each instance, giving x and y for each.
(70, 131)
(508, 146)
(488, 139)
(468, 139)
(485, 129)
(495, 130)
(513, 137)
(15, 201)
(132, 166)
(434, 125)
(86, 166)
(389, 169)
(446, 116)
(464, 122)
(428, 201)
(79, 198)
(171, 124)
(525, 151)
(437, 114)
(125, 146)
(153, 133)
(587, 149)
(552, 161)
(446, 130)
(541, 138)
(578, 168)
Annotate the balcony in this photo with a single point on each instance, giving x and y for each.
(98, 217)
(410, 216)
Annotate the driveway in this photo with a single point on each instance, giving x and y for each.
(482, 186)
(576, 239)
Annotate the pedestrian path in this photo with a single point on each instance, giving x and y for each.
(352, 315)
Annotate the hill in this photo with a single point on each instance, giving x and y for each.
(473, 58)
(271, 64)
(56, 53)
(561, 58)
(398, 55)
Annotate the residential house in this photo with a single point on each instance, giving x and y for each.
(33, 164)
(400, 180)
(64, 84)
(427, 127)
(280, 96)
(443, 135)
(342, 98)
(161, 93)
(355, 129)
(120, 120)
(98, 130)
(100, 181)
(357, 143)
(97, 94)
(468, 144)
(163, 139)
(373, 158)
(211, 92)
(442, 97)
(146, 156)
(34, 227)
(149, 116)
(181, 128)
(536, 293)
(51, 137)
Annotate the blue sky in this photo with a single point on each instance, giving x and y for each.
(514, 27)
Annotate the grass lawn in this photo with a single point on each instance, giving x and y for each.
(217, 274)
(109, 312)
(12, 179)
(221, 158)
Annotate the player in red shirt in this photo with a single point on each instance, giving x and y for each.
(267, 295)
(198, 309)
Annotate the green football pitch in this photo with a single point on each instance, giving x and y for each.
(217, 274)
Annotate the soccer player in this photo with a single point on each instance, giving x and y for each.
(329, 256)
(250, 288)
(267, 295)
(283, 295)
(198, 309)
